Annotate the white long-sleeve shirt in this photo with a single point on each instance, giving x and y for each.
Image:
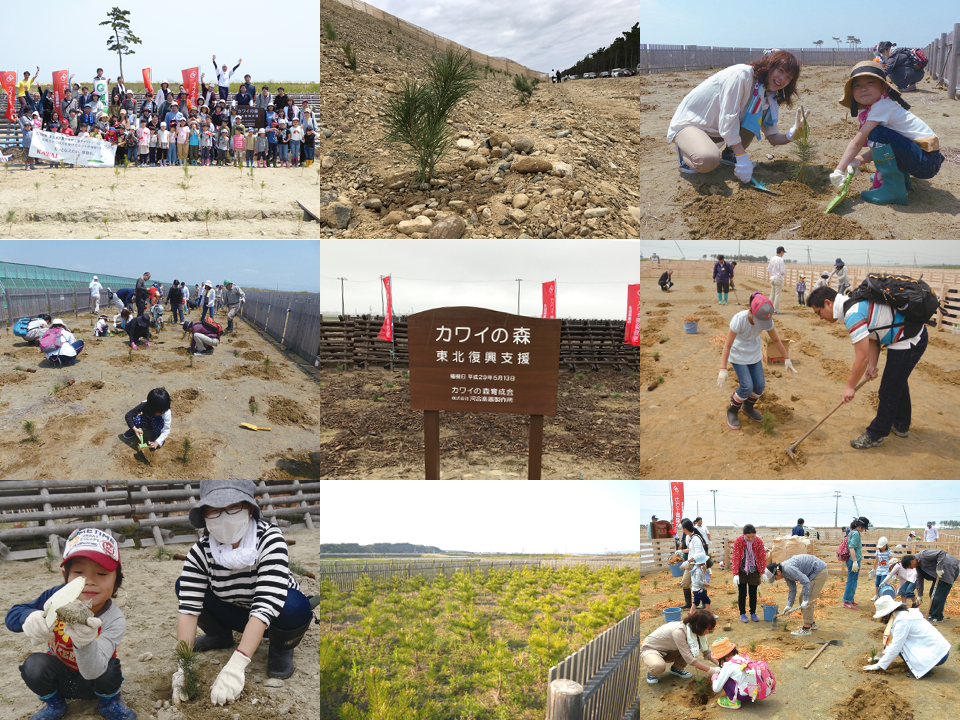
(776, 268)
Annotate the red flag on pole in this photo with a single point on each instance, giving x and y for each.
(8, 79)
(550, 299)
(676, 505)
(60, 84)
(146, 79)
(631, 331)
(190, 82)
(386, 331)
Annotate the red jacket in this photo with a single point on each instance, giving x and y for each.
(740, 551)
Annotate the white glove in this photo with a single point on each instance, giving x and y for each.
(35, 627)
(801, 118)
(871, 668)
(722, 378)
(685, 564)
(736, 580)
(85, 633)
(179, 695)
(855, 567)
(803, 605)
(837, 178)
(871, 574)
(786, 610)
(939, 573)
(229, 683)
(789, 365)
(744, 168)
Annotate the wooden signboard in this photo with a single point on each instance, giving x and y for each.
(477, 360)
(252, 116)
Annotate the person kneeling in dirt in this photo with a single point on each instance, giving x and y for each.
(236, 579)
(138, 328)
(59, 344)
(808, 570)
(741, 679)
(872, 326)
(941, 570)
(36, 328)
(910, 636)
(665, 282)
(152, 417)
(203, 336)
(681, 643)
(234, 299)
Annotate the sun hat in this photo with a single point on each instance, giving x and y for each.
(95, 277)
(867, 67)
(824, 274)
(762, 309)
(94, 544)
(59, 322)
(721, 647)
(699, 558)
(885, 605)
(207, 283)
(221, 494)
(882, 541)
(262, 131)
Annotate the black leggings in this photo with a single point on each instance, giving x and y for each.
(742, 597)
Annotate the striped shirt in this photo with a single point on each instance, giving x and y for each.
(262, 588)
(863, 317)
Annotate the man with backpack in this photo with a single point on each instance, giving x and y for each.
(902, 65)
(873, 321)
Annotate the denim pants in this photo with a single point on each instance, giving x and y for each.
(851, 588)
(172, 153)
(295, 614)
(282, 148)
(46, 674)
(150, 423)
(910, 158)
(272, 152)
(905, 75)
(294, 150)
(56, 358)
(204, 310)
(177, 310)
(907, 591)
(751, 380)
(308, 153)
(894, 393)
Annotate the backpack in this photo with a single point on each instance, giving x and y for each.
(20, 327)
(760, 682)
(843, 552)
(52, 340)
(919, 58)
(911, 298)
(214, 326)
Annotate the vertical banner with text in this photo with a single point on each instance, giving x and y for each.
(147, 72)
(676, 505)
(190, 83)
(8, 79)
(550, 300)
(386, 331)
(631, 331)
(60, 84)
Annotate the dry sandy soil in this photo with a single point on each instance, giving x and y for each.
(149, 603)
(78, 426)
(609, 425)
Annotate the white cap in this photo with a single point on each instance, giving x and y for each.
(95, 277)
(882, 542)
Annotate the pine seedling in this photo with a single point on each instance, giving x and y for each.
(803, 148)
(10, 216)
(187, 661)
(236, 353)
(768, 423)
(106, 224)
(50, 562)
(161, 553)
(266, 366)
(263, 184)
(186, 451)
(659, 379)
(37, 186)
(183, 186)
(31, 430)
(126, 164)
(351, 56)
(328, 30)
(655, 583)
(523, 87)
(113, 191)
(753, 646)
(206, 218)
(253, 401)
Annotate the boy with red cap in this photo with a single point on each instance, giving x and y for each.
(81, 658)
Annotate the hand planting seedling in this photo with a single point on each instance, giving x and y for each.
(186, 676)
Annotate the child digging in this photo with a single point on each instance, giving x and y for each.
(739, 677)
(81, 659)
(152, 417)
(742, 349)
(901, 143)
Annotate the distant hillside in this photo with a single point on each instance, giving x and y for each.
(378, 548)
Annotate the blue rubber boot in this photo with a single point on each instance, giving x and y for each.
(893, 191)
(112, 707)
(54, 708)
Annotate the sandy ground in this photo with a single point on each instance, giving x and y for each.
(146, 653)
(78, 426)
(609, 425)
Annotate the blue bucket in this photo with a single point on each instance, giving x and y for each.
(676, 570)
(690, 328)
(770, 612)
(672, 614)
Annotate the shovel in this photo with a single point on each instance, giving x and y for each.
(838, 643)
(248, 426)
(819, 423)
(773, 623)
(839, 198)
(141, 445)
(762, 187)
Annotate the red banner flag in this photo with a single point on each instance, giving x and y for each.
(60, 84)
(550, 299)
(631, 331)
(191, 78)
(676, 505)
(146, 79)
(386, 331)
(8, 79)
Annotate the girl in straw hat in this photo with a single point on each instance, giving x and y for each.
(741, 679)
(901, 144)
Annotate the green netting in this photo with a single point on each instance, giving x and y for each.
(16, 275)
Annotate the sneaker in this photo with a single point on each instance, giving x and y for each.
(680, 673)
(733, 422)
(743, 618)
(754, 618)
(129, 435)
(849, 606)
(873, 599)
(936, 622)
(855, 604)
(728, 157)
(814, 626)
(865, 441)
(652, 679)
(725, 702)
(684, 168)
(801, 631)
(901, 433)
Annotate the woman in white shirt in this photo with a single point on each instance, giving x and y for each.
(910, 636)
(732, 107)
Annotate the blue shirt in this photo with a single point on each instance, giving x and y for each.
(798, 530)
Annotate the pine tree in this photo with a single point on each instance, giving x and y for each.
(123, 37)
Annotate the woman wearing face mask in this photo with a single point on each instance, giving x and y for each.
(236, 579)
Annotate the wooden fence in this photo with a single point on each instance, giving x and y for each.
(142, 514)
(678, 58)
(292, 319)
(943, 55)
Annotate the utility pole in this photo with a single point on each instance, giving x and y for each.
(905, 514)
(518, 295)
(868, 258)
(343, 312)
(914, 259)
(714, 507)
(809, 261)
(836, 494)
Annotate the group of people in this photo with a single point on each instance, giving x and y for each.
(174, 129)
(899, 582)
(719, 119)
(235, 578)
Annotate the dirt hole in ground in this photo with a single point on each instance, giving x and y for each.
(11, 378)
(875, 700)
(252, 355)
(186, 400)
(258, 371)
(284, 411)
(79, 390)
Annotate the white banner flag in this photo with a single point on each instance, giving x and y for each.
(85, 152)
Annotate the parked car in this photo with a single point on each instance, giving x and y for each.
(604, 74)
(589, 76)
(622, 72)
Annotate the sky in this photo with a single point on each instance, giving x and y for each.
(591, 275)
(267, 264)
(276, 43)
(555, 34)
(604, 516)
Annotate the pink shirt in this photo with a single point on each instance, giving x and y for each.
(183, 133)
(238, 142)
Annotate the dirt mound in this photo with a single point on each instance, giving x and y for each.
(79, 390)
(932, 372)
(717, 323)
(835, 369)
(789, 334)
(664, 304)
(11, 378)
(252, 355)
(256, 371)
(136, 357)
(874, 700)
(186, 400)
(241, 344)
(284, 411)
(779, 461)
(167, 462)
(781, 413)
(808, 348)
(699, 288)
(181, 351)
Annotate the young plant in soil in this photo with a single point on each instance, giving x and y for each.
(10, 214)
(753, 646)
(253, 402)
(236, 353)
(262, 186)
(186, 451)
(50, 562)
(161, 553)
(206, 219)
(328, 30)
(803, 148)
(768, 424)
(702, 690)
(187, 661)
